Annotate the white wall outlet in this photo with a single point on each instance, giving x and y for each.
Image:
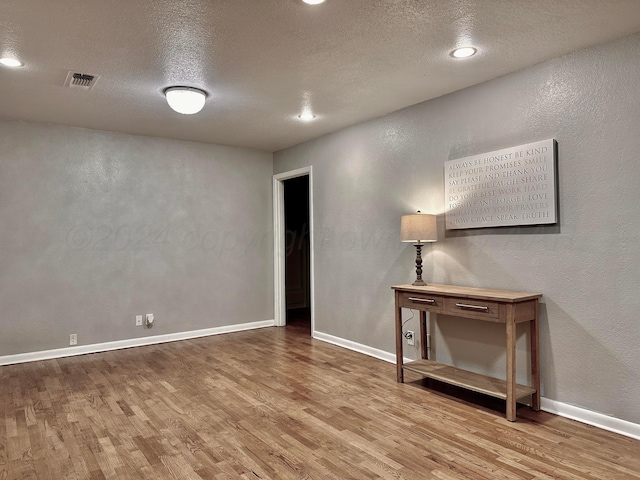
(138, 320)
(149, 320)
(411, 338)
(73, 339)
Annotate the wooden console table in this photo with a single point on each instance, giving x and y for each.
(501, 306)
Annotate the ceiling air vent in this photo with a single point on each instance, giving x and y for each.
(85, 81)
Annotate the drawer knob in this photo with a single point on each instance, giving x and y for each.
(422, 300)
(473, 307)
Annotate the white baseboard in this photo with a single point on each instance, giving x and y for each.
(600, 420)
(356, 347)
(132, 342)
(580, 414)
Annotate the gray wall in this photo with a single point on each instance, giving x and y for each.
(97, 227)
(367, 176)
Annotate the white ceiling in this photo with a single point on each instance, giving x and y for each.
(264, 61)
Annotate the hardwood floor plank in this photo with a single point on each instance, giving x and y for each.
(276, 404)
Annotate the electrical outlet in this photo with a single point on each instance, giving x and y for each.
(138, 320)
(73, 339)
(411, 338)
(149, 320)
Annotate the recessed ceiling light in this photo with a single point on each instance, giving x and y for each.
(185, 100)
(11, 62)
(306, 117)
(463, 52)
(313, 2)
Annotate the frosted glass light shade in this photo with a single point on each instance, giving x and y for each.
(464, 52)
(11, 62)
(418, 228)
(185, 100)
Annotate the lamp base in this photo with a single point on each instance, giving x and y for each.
(419, 283)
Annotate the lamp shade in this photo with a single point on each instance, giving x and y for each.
(186, 100)
(418, 228)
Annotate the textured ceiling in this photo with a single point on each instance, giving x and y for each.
(264, 61)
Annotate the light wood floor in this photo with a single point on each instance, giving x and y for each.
(274, 404)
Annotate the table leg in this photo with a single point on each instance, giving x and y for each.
(511, 363)
(399, 355)
(535, 358)
(423, 335)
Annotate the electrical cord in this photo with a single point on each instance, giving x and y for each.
(404, 334)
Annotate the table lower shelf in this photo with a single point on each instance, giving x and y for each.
(465, 379)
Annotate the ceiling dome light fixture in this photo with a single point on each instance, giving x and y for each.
(11, 62)
(306, 117)
(185, 100)
(464, 52)
(313, 2)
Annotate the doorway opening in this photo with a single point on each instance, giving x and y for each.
(293, 249)
(297, 275)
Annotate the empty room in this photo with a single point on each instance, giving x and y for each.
(320, 239)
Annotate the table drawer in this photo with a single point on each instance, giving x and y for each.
(421, 301)
(478, 309)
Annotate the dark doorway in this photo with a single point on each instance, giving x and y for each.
(297, 245)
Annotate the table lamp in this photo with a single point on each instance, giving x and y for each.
(418, 228)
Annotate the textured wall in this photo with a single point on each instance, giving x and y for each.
(367, 176)
(97, 227)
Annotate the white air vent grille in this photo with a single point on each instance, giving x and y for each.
(86, 81)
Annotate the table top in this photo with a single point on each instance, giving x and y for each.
(508, 296)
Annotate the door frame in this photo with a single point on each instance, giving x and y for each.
(279, 247)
